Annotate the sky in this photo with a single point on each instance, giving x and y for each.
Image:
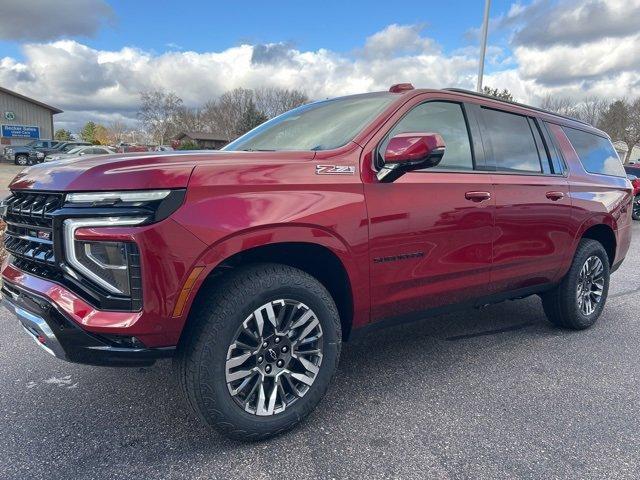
(92, 58)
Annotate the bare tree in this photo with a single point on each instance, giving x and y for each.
(272, 101)
(163, 114)
(191, 120)
(621, 120)
(591, 109)
(117, 130)
(558, 104)
(159, 114)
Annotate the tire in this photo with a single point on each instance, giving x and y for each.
(636, 208)
(22, 160)
(222, 310)
(562, 304)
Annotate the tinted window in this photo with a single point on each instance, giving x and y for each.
(446, 119)
(511, 140)
(596, 153)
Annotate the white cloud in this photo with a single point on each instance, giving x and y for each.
(396, 40)
(104, 85)
(90, 84)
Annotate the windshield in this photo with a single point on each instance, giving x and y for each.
(75, 150)
(318, 126)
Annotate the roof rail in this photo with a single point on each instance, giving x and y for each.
(537, 109)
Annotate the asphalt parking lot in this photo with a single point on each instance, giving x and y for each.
(7, 172)
(496, 393)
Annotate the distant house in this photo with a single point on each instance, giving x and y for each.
(622, 149)
(204, 140)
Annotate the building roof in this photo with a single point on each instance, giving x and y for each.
(220, 137)
(53, 110)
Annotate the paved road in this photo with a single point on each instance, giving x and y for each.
(492, 394)
(7, 172)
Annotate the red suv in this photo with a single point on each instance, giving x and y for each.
(251, 265)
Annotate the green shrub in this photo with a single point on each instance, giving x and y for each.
(188, 145)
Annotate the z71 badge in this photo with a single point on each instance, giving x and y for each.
(335, 170)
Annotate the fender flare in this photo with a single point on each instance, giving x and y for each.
(226, 247)
(592, 221)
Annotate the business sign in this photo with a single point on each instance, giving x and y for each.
(20, 131)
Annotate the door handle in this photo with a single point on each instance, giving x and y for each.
(555, 196)
(477, 196)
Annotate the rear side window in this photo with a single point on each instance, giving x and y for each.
(446, 119)
(511, 140)
(596, 153)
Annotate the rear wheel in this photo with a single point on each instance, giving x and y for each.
(577, 302)
(260, 351)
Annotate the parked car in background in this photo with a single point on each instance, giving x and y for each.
(635, 181)
(80, 152)
(64, 147)
(132, 147)
(163, 148)
(32, 152)
(251, 265)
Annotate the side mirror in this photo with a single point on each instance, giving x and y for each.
(410, 151)
(632, 177)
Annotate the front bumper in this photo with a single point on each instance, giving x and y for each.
(64, 339)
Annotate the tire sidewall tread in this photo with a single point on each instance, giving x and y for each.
(560, 304)
(200, 362)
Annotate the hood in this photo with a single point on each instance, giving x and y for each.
(140, 171)
(108, 172)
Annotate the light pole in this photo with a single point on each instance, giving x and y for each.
(483, 43)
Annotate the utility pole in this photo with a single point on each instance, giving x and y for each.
(483, 43)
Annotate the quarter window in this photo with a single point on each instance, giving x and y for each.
(596, 153)
(512, 142)
(446, 119)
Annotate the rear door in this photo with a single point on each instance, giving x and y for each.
(533, 226)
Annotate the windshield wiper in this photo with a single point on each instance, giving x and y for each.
(256, 150)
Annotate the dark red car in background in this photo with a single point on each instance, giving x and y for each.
(633, 173)
(252, 265)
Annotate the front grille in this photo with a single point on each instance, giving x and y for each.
(31, 241)
(29, 233)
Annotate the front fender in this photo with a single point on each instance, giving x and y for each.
(354, 258)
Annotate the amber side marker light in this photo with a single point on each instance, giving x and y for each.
(186, 289)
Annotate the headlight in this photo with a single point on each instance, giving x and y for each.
(114, 197)
(106, 263)
(155, 204)
(9, 150)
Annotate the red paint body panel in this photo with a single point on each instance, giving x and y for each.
(532, 232)
(109, 172)
(429, 239)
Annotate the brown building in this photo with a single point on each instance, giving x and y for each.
(204, 140)
(23, 119)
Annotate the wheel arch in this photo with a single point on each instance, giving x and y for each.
(322, 255)
(603, 234)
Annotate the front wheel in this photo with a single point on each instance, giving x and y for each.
(260, 351)
(22, 160)
(577, 302)
(636, 208)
